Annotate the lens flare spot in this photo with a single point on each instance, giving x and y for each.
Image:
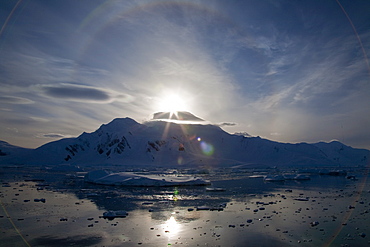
(175, 195)
(207, 148)
(180, 160)
(176, 192)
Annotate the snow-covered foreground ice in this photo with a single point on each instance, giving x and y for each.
(323, 211)
(134, 179)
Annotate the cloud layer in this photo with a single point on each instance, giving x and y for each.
(82, 93)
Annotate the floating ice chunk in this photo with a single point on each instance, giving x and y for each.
(133, 179)
(289, 176)
(92, 194)
(199, 208)
(40, 200)
(302, 199)
(274, 178)
(212, 189)
(301, 177)
(333, 172)
(65, 168)
(217, 209)
(115, 214)
(352, 177)
(296, 177)
(202, 208)
(314, 223)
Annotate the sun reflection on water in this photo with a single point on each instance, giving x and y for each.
(172, 227)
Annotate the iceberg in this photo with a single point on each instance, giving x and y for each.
(143, 180)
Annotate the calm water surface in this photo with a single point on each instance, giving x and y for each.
(323, 211)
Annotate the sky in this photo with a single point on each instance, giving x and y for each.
(288, 71)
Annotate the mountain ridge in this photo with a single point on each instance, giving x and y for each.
(126, 142)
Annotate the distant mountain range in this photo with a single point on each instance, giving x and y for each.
(187, 142)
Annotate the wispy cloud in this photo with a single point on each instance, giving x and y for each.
(15, 100)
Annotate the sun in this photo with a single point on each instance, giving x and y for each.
(172, 102)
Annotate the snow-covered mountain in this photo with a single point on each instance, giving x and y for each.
(7, 150)
(161, 143)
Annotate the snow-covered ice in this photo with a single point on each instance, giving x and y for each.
(134, 179)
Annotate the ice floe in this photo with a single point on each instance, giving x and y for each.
(133, 179)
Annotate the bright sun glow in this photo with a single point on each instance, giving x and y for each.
(172, 102)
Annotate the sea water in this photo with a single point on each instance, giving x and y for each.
(44, 208)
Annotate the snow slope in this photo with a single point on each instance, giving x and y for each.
(160, 143)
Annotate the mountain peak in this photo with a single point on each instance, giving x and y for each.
(178, 115)
(119, 123)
